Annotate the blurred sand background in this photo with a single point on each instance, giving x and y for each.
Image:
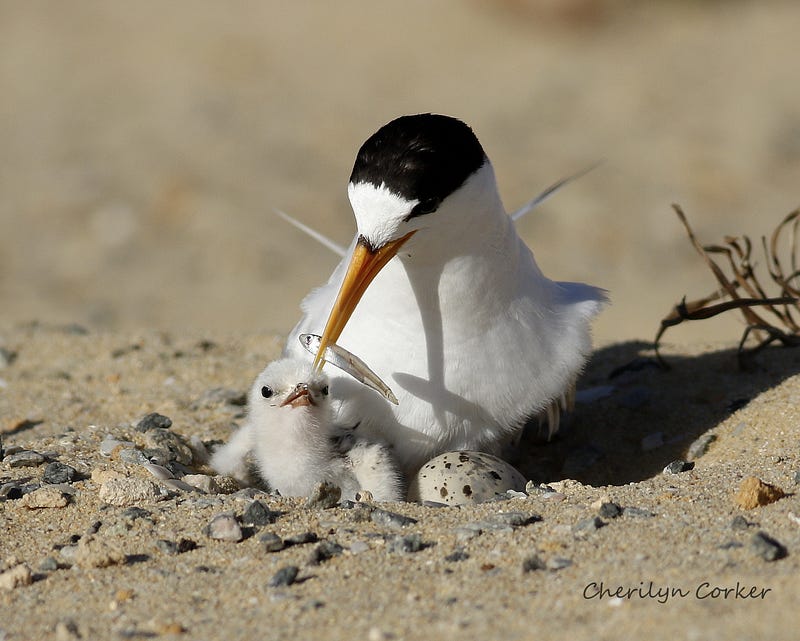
(145, 145)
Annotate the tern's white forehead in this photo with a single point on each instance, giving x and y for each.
(282, 375)
(379, 212)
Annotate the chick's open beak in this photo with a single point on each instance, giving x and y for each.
(299, 397)
(365, 263)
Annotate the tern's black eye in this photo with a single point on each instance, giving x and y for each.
(325, 391)
(266, 391)
(426, 206)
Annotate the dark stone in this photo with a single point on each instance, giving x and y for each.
(10, 491)
(284, 577)
(152, 421)
(272, 542)
(133, 513)
(678, 466)
(766, 547)
(740, 523)
(258, 514)
(585, 526)
(324, 551)
(324, 495)
(56, 472)
(609, 510)
(532, 563)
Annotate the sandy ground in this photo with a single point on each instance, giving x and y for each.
(144, 148)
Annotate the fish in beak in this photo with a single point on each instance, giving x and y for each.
(365, 263)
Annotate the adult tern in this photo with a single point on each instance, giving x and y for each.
(444, 300)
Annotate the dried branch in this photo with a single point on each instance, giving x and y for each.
(737, 253)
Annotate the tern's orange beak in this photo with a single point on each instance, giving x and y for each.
(365, 263)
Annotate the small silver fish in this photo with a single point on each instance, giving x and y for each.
(350, 364)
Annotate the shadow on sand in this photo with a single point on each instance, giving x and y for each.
(652, 415)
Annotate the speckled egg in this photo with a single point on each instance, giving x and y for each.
(464, 478)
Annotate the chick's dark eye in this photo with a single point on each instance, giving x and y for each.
(266, 391)
(325, 391)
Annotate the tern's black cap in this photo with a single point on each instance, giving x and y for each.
(424, 157)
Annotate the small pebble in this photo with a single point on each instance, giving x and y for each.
(797, 477)
(224, 527)
(67, 631)
(558, 563)
(407, 544)
(324, 495)
(766, 547)
(109, 444)
(609, 510)
(173, 547)
(48, 564)
(700, 446)
(154, 420)
(532, 563)
(258, 514)
(129, 491)
(390, 519)
(56, 472)
(637, 512)
(131, 456)
(45, 497)
(10, 491)
(135, 513)
(754, 492)
(160, 438)
(324, 551)
(514, 519)
(740, 523)
(678, 466)
(202, 482)
(357, 547)
(272, 542)
(584, 527)
(26, 458)
(284, 577)
(459, 554)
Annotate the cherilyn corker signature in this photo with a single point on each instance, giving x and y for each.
(647, 590)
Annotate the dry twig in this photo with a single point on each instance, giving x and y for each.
(768, 319)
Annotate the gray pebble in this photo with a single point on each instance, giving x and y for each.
(406, 544)
(324, 551)
(678, 466)
(514, 519)
(740, 523)
(390, 519)
(797, 477)
(48, 564)
(609, 510)
(179, 450)
(272, 542)
(558, 563)
(173, 547)
(637, 512)
(224, 527)
(131, 456)
(258, 514)
(357, 547)
(134, 513)
(301, 539)
(533, 563)
(284, 577)
(459, 554)
(26, 458)
(154, 420)
(109, 444)
(532, 488)
(700, 446)
(766, 547)
(7, 357)
(56, 472)
(584, 527)
(324, 495)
